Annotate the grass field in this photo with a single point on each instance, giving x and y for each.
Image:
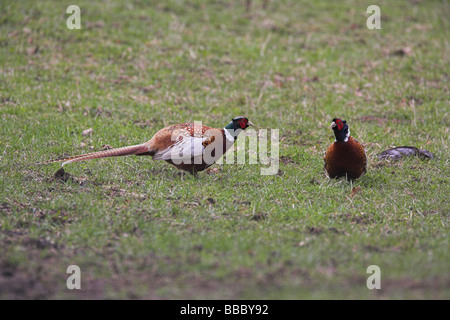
(139, 229)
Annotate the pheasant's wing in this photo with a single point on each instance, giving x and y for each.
(184, 149)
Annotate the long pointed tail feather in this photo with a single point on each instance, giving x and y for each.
(116, 152)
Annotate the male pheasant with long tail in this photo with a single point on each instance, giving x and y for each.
(346, 156)
(188, 146)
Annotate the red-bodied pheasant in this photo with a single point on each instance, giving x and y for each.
(346, 156)
(188, 146)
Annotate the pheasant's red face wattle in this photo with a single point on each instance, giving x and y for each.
(340, 124)
(243, 123)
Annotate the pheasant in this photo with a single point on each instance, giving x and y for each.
(188, 146)
(346, 156)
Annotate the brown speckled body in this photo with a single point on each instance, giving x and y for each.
(346, 159)
(164, 138)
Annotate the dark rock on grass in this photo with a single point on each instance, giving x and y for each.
(259, 217)
(62, 175)
(405, 151)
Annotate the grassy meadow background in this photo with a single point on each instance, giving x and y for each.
(139, 229)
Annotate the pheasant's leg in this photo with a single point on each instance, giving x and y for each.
(193, 172)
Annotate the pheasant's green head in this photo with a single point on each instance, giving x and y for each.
(239, 123)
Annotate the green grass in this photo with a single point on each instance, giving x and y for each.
(138, 229)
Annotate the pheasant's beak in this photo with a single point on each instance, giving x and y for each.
(333, 125)
(250, 124)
